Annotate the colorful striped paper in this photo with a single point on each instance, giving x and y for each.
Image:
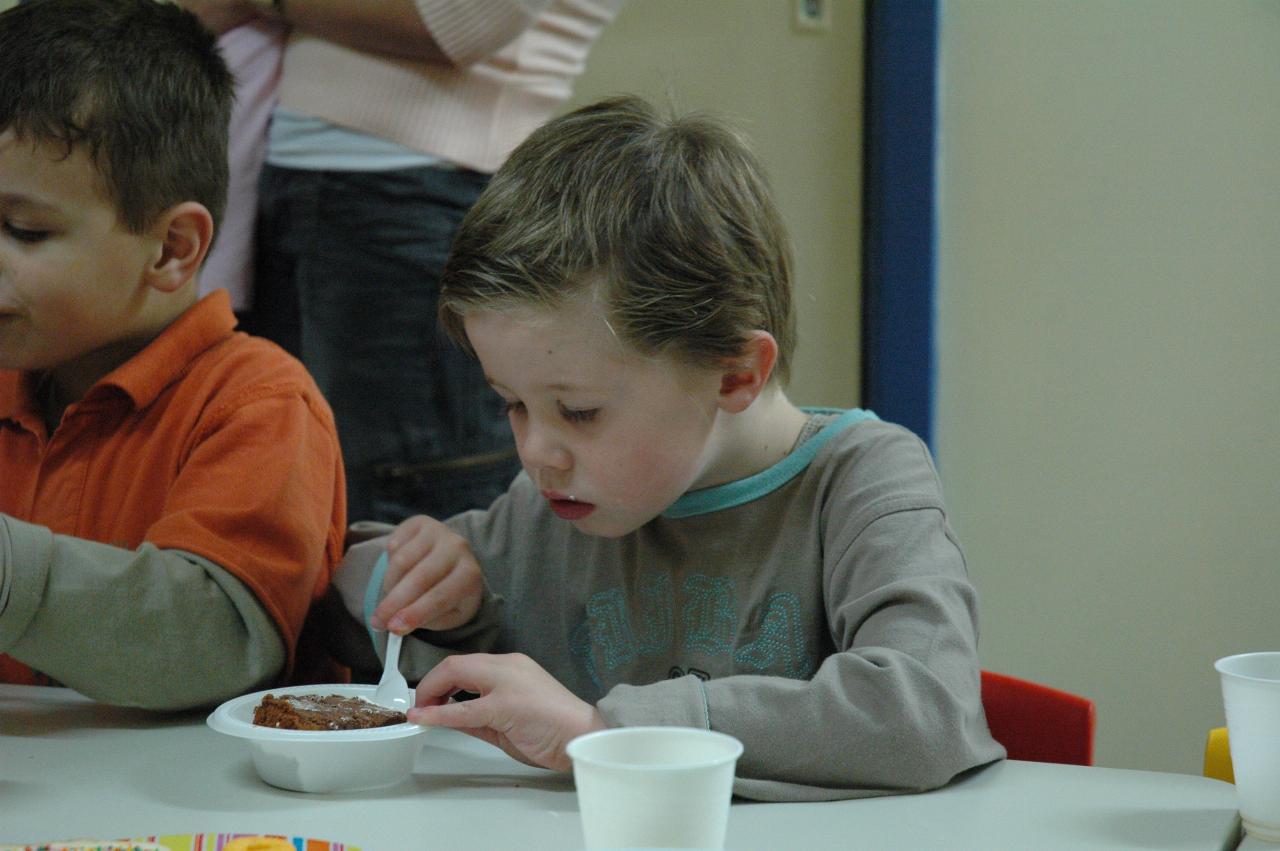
(193, 842)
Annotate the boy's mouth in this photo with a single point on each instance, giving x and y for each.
(566, 507)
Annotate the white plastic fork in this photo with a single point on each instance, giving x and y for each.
(393, 692)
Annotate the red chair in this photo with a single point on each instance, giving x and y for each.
(1036, 722)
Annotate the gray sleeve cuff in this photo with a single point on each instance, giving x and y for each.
(219, 640)
(680, 702)
(25, 551)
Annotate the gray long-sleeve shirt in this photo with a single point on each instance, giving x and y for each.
(193, 634)
(820, 611)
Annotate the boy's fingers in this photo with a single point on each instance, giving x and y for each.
(403, 590)
(474, 672)
(470, 714)
(433, 552)
(410, 553)
(420, 534)
(414, 584)
(416, 528)
(455, 588)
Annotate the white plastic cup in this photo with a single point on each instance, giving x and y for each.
(1251, 697)
(654, 787)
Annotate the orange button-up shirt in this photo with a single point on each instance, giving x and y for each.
(207, 441)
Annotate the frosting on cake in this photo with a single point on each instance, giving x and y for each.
(322, 712)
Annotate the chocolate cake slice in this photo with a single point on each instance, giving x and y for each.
(322, 712)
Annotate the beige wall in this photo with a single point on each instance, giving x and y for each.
(798, 97)
(1109, 392)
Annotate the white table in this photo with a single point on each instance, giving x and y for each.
(1250, 843)
(71, 768)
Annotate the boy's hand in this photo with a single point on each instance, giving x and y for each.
(521, 708)
(433, 581)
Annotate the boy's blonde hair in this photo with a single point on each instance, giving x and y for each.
(669, 218)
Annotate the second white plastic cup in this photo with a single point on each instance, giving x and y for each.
(654, 787)
(1251, 697)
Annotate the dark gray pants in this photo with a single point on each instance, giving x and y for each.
(348, 279)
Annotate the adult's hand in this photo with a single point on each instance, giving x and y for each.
(221, 15)
(392, 28)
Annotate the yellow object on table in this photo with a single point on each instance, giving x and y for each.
(1217, 756)
(260, 843)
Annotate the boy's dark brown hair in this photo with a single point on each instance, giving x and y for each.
(139, 84)
(669, 218)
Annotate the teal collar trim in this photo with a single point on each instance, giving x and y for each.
(736, 493)
(372, 592)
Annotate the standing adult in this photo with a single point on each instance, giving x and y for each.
(392, 116)
(253, 48)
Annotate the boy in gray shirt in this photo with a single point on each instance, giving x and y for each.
(685, 546)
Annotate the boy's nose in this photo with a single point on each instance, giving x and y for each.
(540, 449)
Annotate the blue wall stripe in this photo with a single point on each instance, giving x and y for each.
(899, 214)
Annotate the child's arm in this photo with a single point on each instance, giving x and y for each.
(896, 706)
(520, 707)
(194, 633)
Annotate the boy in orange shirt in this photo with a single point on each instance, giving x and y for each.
(171, 491)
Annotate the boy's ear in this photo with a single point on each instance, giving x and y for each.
(745, 377)
(183, 233)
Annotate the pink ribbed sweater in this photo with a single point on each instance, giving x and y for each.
(514, 64)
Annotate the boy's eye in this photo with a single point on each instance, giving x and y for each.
(25, 234)
(578, 415)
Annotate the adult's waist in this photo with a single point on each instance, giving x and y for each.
(472, 116)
